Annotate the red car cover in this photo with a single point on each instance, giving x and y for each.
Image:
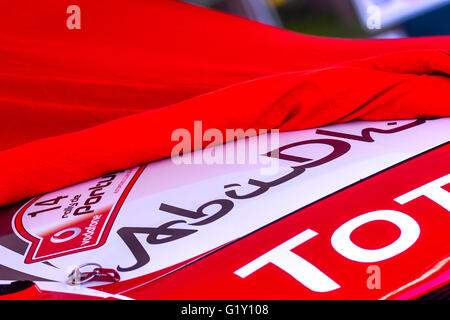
(79, 103)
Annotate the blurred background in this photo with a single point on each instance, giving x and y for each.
(345, 18)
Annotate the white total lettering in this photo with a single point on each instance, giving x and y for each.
(303, 271)
(432, 190)
(410, 231)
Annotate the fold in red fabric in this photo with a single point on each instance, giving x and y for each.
(76, 104)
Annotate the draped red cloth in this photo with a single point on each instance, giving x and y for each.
(76, 104)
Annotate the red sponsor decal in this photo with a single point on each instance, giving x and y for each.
(88, 230)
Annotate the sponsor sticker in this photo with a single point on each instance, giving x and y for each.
(74, 219)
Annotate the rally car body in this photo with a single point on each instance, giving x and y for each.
(349, 211)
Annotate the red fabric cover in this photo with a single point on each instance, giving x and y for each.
(76, 104)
